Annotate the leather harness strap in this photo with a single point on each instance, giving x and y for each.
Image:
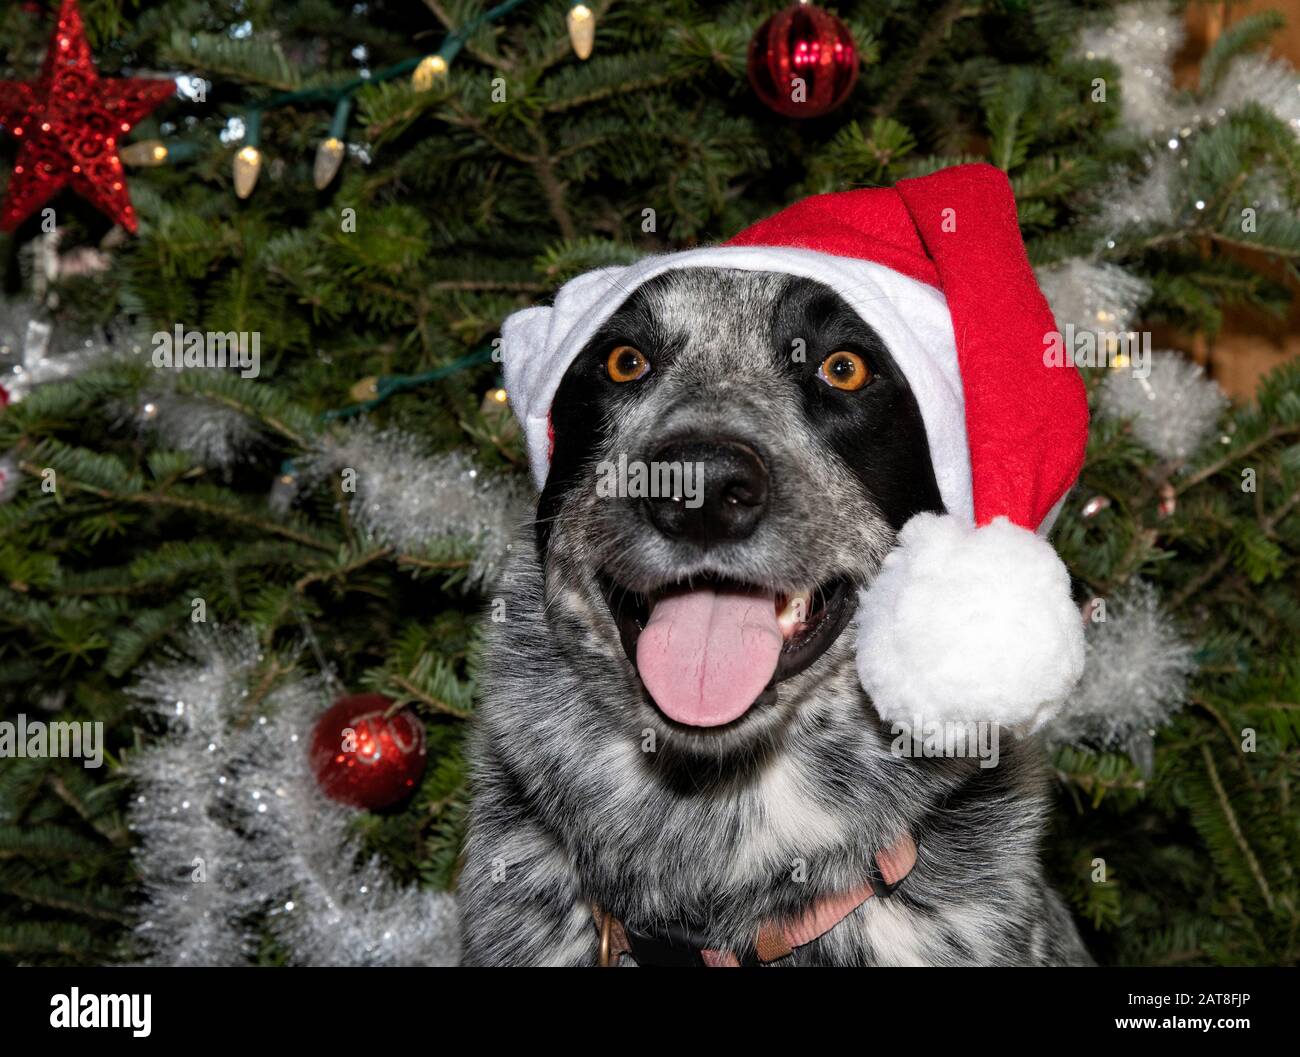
(775, 939)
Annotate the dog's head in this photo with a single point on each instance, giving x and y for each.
(734, 452)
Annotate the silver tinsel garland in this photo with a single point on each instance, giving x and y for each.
(1144, 200)
(1136, 670)
(410, 499)
(1270, 83)
(189, 855)
(217, 436)
(399, 494)
(1142, 39)
(1173, 410)
(1096, 297)
(231, 823)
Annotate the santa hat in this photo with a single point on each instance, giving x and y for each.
(970, 617)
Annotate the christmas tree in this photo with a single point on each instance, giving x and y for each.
(256, 458)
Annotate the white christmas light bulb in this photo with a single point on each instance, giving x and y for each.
(247, 166)
(581, 21)
(329, 156)
(432, 69)
(145, 154)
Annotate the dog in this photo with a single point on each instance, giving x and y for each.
(674, 813)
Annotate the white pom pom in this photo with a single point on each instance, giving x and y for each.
(969, 624)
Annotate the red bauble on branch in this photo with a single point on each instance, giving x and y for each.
(364, 756)
(69, 124)
(803, 61)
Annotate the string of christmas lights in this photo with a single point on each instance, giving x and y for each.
(426, 72)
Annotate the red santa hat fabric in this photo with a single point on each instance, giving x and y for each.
(1026, 422)
(937, 266)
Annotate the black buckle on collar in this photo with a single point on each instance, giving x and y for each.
(675, 946)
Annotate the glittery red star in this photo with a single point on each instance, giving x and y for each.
(69, 124)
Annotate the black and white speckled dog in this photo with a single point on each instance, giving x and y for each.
(845, 416)
(692, 828)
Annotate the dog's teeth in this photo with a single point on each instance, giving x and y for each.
(794, 613)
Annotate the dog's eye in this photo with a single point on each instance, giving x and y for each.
(844, 370)
(626, 364)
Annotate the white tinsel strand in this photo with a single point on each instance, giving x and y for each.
(327, 909)
(1136, 671)
(190, 859)
(1095, 297)
(1270, 83)
(1146, 200)
(217, 436)
(1173, 409)
(1141, 39)
(411, 500)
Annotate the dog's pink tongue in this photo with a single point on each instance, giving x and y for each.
(706, 655)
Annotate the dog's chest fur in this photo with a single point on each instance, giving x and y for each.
(577, 805)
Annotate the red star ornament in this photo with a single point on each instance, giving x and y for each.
(69, 123)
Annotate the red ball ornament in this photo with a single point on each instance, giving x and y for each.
(69, 124)
(803, 61)
(363, 756)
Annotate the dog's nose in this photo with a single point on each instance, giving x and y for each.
(724, 495)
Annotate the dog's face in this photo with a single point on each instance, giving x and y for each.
(733, 454)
